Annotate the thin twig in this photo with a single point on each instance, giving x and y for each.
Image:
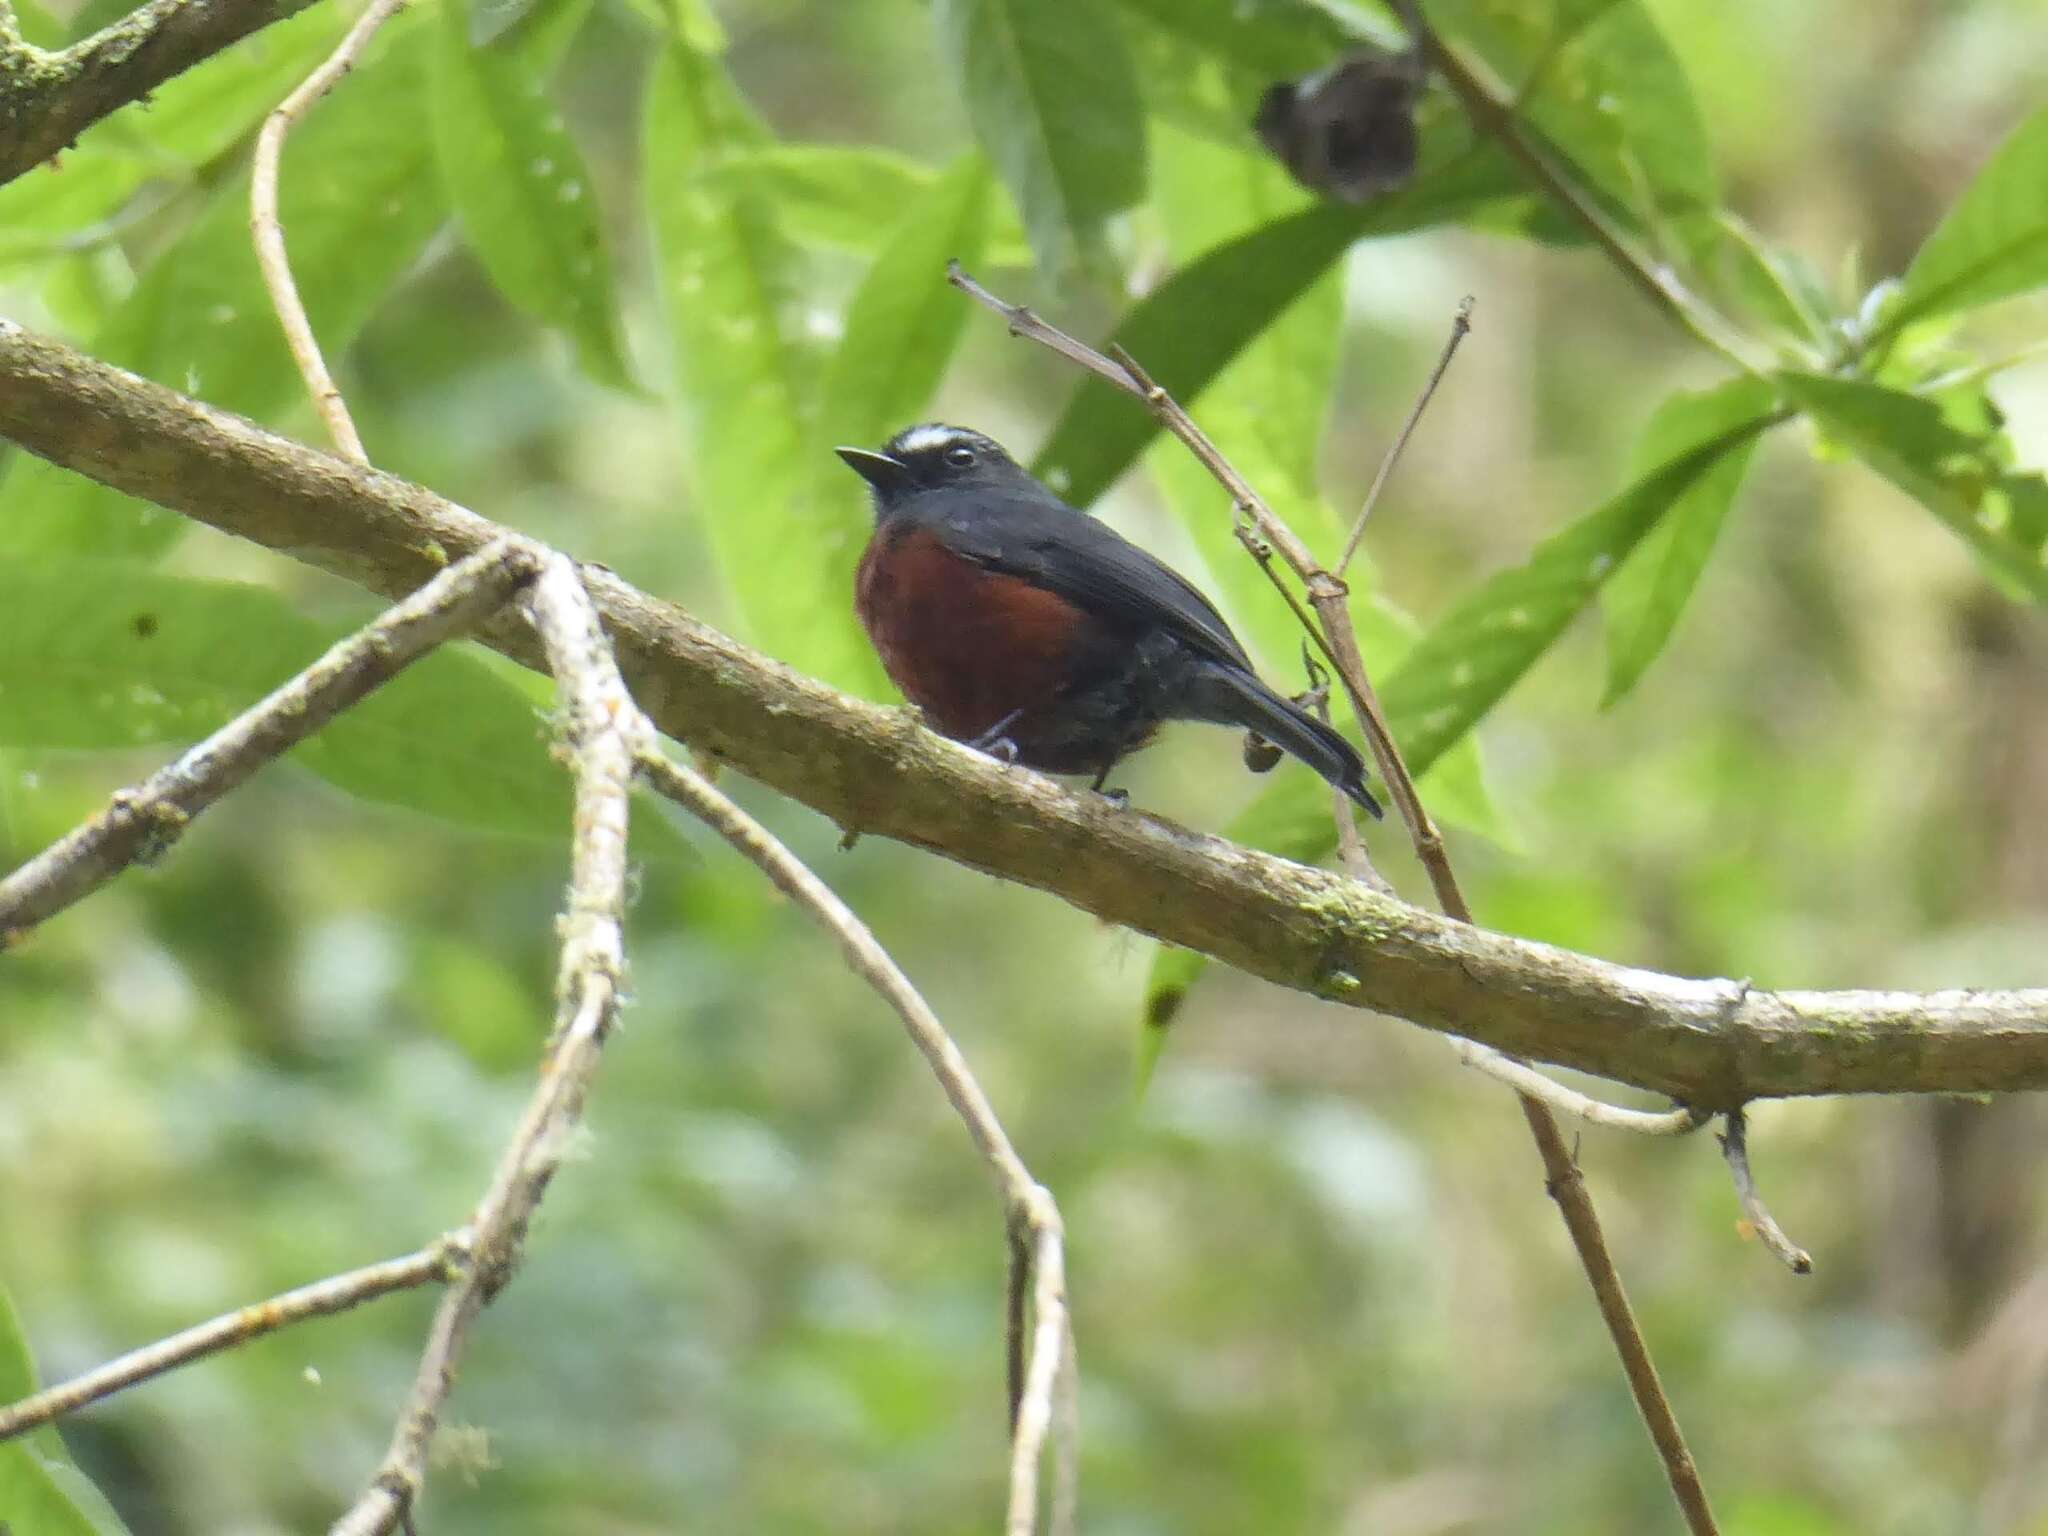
(1052, 1350)
(268, 231)
(1328, 597)
(1066, 1442)
(1119, 369)
(142, 821)
(1525, 1079)
(1352, 854)
(1016, 1318)
(1461, 325)
(1032, 1218)
(1735, 1147)
(431, 1265)
(603, 733)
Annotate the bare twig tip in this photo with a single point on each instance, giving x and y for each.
(1756, 1215)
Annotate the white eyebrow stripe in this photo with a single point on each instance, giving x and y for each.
(925, 438)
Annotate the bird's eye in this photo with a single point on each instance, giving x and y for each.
(960, 458)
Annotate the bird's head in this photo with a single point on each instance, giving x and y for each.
(933, 457)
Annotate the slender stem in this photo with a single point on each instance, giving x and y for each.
(1567, 1186)
(267, 230)
(1735, 1147)
(1461, 326)
(1525, 1079)
(337, 1293)
(1036, 1237)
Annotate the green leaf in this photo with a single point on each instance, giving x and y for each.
(1191, 326)
(40, 27)
(537, 37)
(83, 289)
(1207, 195)
(747, 368)
(1647, 595)
(1602, 88)
(906, 321)
(84, 1496)
(1770, 284)
(1049, 87)
(902, 329)
(829, 195)
(78, 189)
(41, 1493)
(523, 194)
(197, 116)
(189, 120)
(1961, 472)
(18, 1377)
(1277, 40)
(1483, 646)
(1994, 242)
(107, 656)
(35, 1502)
(200, 321)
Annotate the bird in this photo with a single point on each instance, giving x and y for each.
(1349, 130)
(1032, 631)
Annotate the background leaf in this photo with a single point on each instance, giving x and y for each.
(1278, 40)
(112, 657)
(1645, 598)
(1993, 243)
(200, 321)
(524, 195)
(747, 367)
(188, 121)
(41, 1494)
(837, 195)
(1471, 657)
(1599, 83)
(902, 328)
(906, 320)
(1189, 327)
(18, 1378)
(1962, 475)
(1049, 87)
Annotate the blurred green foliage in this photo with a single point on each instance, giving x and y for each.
(1317, 1285)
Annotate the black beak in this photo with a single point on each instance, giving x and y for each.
(878, 469)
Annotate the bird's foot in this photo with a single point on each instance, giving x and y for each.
(994, 737)
(1116, 797)
(1002, 749)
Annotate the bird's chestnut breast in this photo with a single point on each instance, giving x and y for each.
(967, 645)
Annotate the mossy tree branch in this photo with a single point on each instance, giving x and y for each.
(1712, 1044)
(47, 99)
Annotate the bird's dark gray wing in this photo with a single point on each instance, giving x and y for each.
(1050, 545)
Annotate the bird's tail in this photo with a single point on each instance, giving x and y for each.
(1232, 696)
